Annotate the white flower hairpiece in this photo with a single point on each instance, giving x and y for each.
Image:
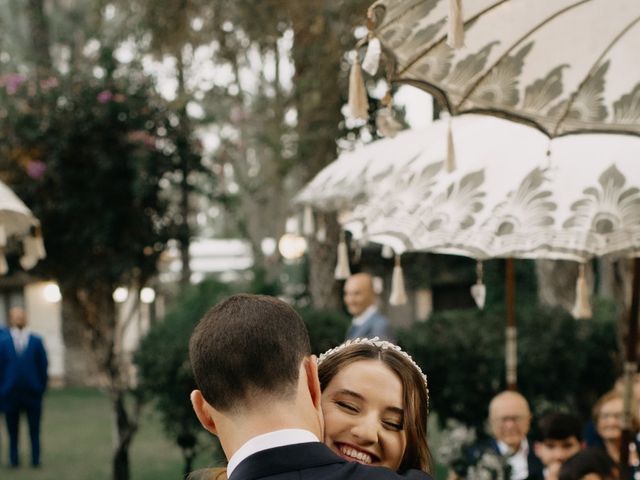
(382, 345)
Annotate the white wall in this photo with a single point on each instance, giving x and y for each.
(45, 319)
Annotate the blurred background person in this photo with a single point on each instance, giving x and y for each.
(23, 381)
(589, 464)
(510, 420)
(559, 438)
(608, 416)
(361, 302)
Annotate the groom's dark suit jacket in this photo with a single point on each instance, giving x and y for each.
(312, 461)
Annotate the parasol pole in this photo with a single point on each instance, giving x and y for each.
(630, 370)
(511, 332)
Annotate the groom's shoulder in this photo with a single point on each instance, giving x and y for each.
(358, 471)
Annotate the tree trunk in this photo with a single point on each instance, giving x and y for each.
(91, 328)
(125, 427)
(326, 292)
(185, 167)
(39, 36)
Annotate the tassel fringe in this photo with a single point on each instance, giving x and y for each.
(479, 290)
(358, 100)
(321, 231)
(451, 151)
(371, 60)
(582, 307)
(342, 271)
(308, 226)
(4, 267)
(398, 293)
(455, 36)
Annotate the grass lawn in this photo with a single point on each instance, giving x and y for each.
(76, 442)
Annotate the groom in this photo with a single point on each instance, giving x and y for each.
(259, 393)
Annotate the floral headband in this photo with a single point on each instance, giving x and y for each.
(382, 345)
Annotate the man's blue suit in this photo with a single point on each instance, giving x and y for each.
(377, 325)
(23, 381)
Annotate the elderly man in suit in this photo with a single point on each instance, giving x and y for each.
(23, 381)
(510, 419)
(259, 392)
(360, 300)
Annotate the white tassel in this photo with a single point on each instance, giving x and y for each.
(451, 151)
(358, 100)
(582, 308)
(371, 59)
(479, 290)
(321, 231)
(387, 252)
(398, 293)
(3, 236)
(28, 261)
(342, 271)
(4, 267)
(455, 37)
(307, 221)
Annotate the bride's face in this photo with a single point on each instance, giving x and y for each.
(363, 414)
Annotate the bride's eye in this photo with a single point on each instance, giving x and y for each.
(393, 425)
(347, 406)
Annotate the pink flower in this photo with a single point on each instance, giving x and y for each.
(104, 96)
(36, 169)
(12, 82)
(48, 83)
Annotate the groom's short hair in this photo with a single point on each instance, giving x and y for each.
(246, 348)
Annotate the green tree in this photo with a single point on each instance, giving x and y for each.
(93, 158)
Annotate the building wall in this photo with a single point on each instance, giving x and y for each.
(45, 319)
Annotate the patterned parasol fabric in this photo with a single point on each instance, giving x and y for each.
(564, 66)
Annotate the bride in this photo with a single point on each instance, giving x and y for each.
(375, 401)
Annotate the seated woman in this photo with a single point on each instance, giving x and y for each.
(375, 402)
(607, 415)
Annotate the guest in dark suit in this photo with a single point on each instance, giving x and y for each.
(360, 300)
(510, 419)
(23, 381)
(4, 333)
(259, 392)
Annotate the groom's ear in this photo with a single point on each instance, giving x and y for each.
(203, 411)
(313, 381)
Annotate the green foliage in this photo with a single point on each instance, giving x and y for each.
(90, 156)
(165, 375)
(561, 361)
(327, 328)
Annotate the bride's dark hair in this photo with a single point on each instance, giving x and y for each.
(416, 402)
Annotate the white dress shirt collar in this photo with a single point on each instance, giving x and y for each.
(20, 338)
(364, 316)
(279, 438)
(519, 460)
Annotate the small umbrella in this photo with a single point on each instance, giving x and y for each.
(564, 66)
(17, 222)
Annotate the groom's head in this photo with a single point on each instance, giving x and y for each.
(248, 350)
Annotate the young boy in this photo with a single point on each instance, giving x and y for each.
(560, 437)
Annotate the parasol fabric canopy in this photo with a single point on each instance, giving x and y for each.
(17, 221)
(351, 178)
(509, 197)
(564, 66)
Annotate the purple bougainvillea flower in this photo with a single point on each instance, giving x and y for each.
(12, 82)
(104, 96)
(36, 169)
